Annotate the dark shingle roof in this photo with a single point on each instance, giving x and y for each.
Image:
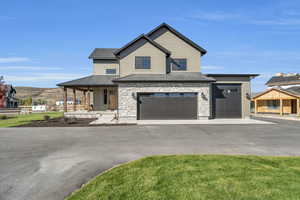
(142, 36)
(293, 90)
(103, 53)
(175, 32)
(171, 77)
(283, 80)
(94, 80)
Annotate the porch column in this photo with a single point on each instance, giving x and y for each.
(65, 100)
(255, 106)
(88, 100)
(298, 107)
(74, 99)
(281, 107)
(84, 99)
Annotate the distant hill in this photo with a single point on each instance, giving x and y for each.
(51, 95)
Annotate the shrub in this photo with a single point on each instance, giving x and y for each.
(3, 117)
(46, 117)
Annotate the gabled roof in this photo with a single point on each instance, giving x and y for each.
(175, 32)
(142, 36)
(93, 80)
(283, 80)
(103, 53)
(285, 91)
(170, 77)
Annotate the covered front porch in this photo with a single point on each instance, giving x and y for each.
(276, 101)
(96, 93)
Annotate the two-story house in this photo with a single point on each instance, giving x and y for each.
(158, 76)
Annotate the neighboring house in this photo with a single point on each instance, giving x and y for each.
(39, 108)
(281, 97)
(69, 102)
(7, 96)
(158, 76)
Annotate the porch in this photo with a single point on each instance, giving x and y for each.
(276, 101)
(98, 94)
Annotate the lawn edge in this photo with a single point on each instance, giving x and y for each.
(67, 197)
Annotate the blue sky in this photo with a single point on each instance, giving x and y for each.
(46, 42)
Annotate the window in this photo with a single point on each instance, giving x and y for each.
(179, 64)
(110, 71)
(273, 104)
(142, 62)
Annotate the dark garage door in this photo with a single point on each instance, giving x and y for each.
(167, 106)
(227, 101)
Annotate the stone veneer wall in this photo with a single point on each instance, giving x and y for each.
(128, 93)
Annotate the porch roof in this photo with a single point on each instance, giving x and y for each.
(89, 81)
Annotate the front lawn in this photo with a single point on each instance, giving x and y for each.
(198, 177)
(27, 118)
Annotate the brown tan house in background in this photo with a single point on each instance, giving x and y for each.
(282, 96)
(158, 76)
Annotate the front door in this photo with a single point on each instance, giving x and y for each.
(112, 99)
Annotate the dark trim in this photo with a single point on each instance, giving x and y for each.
(184, 38)
(142, 36)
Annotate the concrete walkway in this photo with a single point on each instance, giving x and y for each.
(106, 120)
(212, 121)
(274, 116)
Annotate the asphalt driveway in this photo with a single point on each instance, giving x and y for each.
(49, 163)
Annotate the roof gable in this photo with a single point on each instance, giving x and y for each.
(147, 39)
(153, 34)
(280, 94)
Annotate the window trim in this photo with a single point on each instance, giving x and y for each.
(174, 60)
(142, 67)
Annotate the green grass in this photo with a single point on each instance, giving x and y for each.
(198, 177)
(25, 119)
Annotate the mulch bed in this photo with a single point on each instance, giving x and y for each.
(60, 122)
(67, 122)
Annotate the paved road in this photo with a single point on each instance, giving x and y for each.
(49, 163)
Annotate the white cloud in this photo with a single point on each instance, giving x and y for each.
(215, 16)
(285, 18)
(212, 67)
(42, 77)
(282, 22)
(29, 68)
(14, 59)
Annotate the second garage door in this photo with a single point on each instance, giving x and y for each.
(153, 106)
(227, 101)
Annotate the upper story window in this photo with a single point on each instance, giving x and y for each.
(142, 62)
(110, 71)
(179, 64)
